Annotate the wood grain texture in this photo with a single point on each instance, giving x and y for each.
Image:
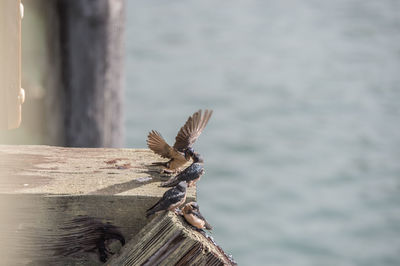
(44, 189)
(169, 240)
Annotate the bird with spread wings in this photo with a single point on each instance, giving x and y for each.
(185, 139)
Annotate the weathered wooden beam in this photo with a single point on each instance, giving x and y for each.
(55, 202)
(169, 240)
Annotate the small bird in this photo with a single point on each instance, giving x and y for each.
(191, 212)
(186, 137)
(191, 174)
(172, 198)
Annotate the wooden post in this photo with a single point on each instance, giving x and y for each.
(91, 52)
(58, 203)
(11, 94)
(82, 104)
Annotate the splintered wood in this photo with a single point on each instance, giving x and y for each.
(169, 240)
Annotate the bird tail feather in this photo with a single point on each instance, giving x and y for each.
(152, 210)
(149, 213)
(208, 226)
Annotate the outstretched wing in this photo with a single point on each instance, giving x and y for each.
(192, 129)
(157, 144)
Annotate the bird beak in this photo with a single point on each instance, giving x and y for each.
(187, 156)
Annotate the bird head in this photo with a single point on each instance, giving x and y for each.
(190, 207)
(187, 208)
(197, 158)
(194, 205)
(189, 152)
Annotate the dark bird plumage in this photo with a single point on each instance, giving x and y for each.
(186, 137)
(190, 174)
(171, 199)
(191, 212)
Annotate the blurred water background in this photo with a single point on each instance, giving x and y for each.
(302, 152)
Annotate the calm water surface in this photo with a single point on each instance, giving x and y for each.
(302, 153)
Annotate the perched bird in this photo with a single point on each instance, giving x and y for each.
(172, 198)
(191, 212)
(186, 137)
(190, 174)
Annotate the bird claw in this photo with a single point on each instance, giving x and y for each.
(171, 172)
(178, 211)
(167, 172)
